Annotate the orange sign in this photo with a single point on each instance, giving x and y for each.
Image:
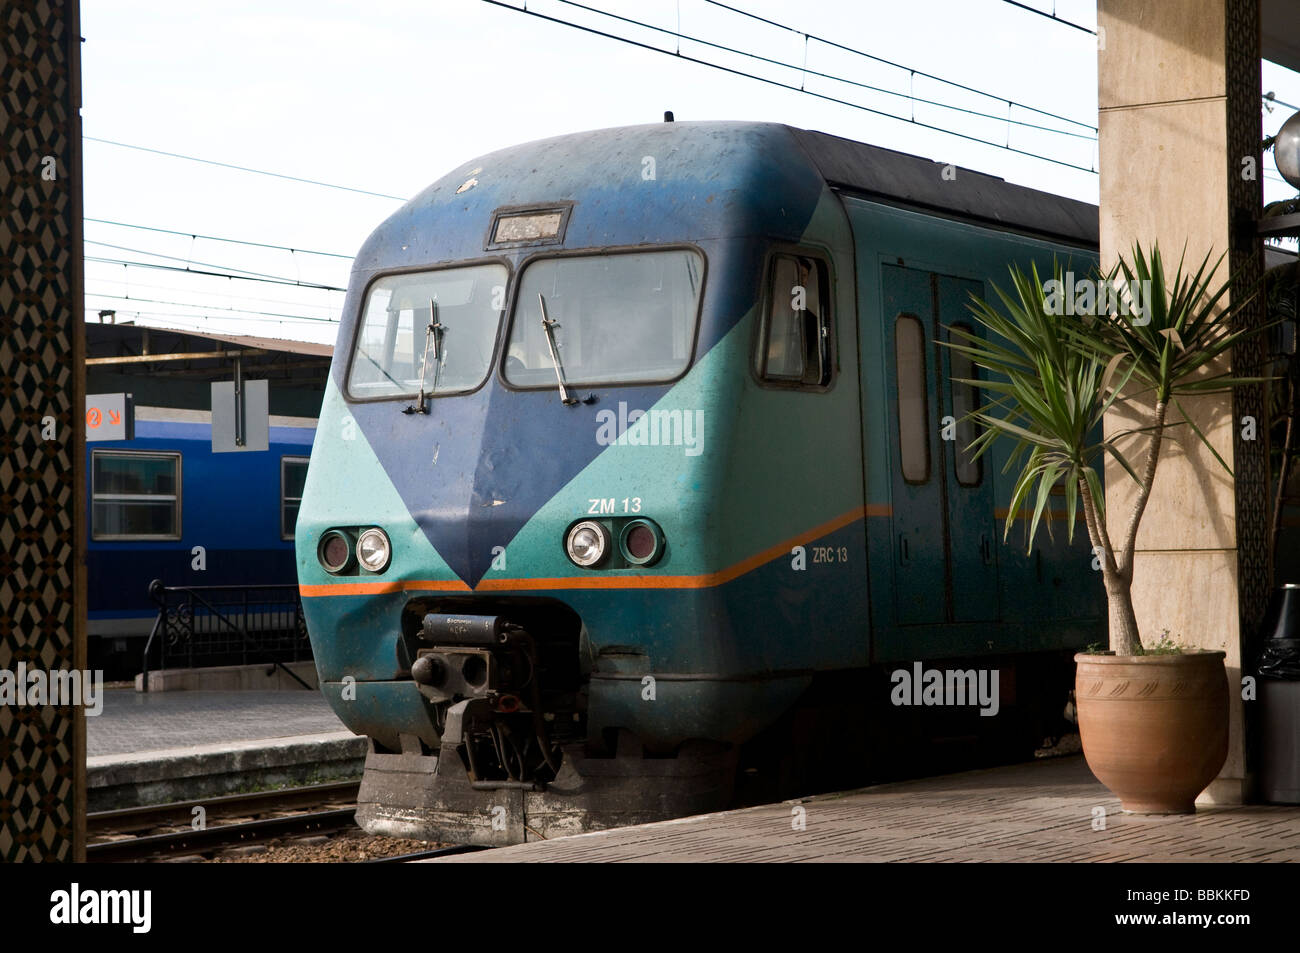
(109, 417)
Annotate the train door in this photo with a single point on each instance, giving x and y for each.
(945, 559)
(920, 563)
(972, 552)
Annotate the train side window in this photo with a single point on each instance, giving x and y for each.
(796, 345)
(913, 400)
(293, 476)
(965, 399)
(135, 495)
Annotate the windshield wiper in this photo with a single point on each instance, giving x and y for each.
(549, 327)
(432, 333)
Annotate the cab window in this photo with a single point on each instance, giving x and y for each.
(436, 328)
(795, 344)
(615, 319)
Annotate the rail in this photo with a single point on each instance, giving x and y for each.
(226, 625)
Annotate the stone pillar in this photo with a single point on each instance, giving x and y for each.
(1179, 101)
(42, 419)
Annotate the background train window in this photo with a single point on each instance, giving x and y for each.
(390, 344)
(913, 401)
(965, 398)
(620, 318)
(795, 345)
(293, 475)
(135, 495)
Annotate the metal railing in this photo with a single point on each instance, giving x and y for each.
(200, 626)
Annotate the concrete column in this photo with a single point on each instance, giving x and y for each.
(1178, 93)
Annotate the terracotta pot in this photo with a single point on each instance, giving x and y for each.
(1154, 727)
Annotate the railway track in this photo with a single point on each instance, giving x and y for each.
(156, 832)
(230, 821)
(238, 834)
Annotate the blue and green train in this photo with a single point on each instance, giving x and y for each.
(640, 475)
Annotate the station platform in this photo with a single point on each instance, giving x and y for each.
(149, 748)
(1052, 810)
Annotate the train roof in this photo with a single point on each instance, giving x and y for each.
(666, 182)
(901, 178)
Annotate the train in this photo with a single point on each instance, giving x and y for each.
(641, 488)
(151, 500)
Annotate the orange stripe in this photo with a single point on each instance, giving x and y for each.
(370, 588)
(706, 581)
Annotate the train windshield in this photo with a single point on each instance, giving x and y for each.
(618, 318)
(442, 324)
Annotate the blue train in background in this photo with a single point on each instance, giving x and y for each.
(640, 484)
(152, 500)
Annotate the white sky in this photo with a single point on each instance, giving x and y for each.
(391, 94)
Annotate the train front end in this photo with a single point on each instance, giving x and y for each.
(513, 540)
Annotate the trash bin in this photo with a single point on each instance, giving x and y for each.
(1279, 698)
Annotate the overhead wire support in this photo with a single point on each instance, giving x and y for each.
(1271, 100)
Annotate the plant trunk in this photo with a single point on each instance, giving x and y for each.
(1144, 489)
(1124, 638)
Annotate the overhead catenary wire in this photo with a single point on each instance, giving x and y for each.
(888, 62)
(222, 293)
(237, 272)
(214, 238)
(196, 321)
(212, 274)
(843, 102)
(1051, 16)
(210, 307)
(852, 82)
(243, 168)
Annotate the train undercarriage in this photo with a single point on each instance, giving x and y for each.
(514, 759)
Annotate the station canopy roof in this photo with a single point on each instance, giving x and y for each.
(1280, 33)
(200, 355)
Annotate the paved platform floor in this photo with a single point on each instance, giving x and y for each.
(1041, 811)
(138, 721)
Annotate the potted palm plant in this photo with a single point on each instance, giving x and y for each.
(1153, 722)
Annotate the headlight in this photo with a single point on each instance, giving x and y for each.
(587, 543)
(641, 542)
(334, 551)
(373, 550)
